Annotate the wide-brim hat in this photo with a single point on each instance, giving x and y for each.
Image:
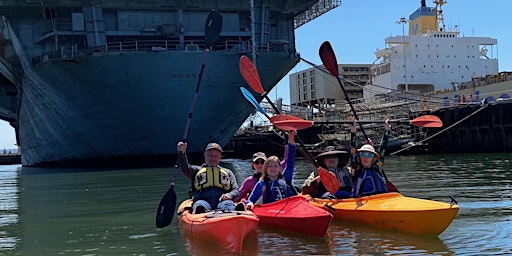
(343, 156)
(368, 148)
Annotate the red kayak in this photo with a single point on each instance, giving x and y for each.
(225, 228)
(295, 214)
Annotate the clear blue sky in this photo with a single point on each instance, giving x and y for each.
(358, 27)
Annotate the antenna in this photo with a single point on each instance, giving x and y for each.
(439, 14)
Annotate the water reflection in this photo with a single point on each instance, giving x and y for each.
(46, 211)
(8, 207)
(347, 239)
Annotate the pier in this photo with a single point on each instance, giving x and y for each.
(10, 159)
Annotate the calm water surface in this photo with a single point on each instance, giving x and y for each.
(46, 211)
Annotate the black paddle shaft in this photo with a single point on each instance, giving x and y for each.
(165, 211)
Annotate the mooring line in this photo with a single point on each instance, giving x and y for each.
(484, 105)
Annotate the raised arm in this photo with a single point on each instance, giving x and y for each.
(384, 141)
(183, 161)
(290, 158)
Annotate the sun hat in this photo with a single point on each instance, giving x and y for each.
(331, 150)
(213, 146)
(368, 148)
(259, 155)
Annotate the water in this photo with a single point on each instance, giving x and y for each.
(47, 211)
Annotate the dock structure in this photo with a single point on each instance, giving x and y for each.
(10, 159)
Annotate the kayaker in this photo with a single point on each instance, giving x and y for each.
(258, 159)
(367, 164)
(334, 161)
(209, 192)
(275, 184)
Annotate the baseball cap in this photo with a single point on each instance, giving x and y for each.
(213, 146)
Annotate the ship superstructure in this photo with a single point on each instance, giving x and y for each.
(431, 57)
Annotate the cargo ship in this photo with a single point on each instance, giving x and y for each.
(451, 76)
(112, 82)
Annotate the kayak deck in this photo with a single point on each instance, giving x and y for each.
(227, 228)
(294, 214)
(392, 211)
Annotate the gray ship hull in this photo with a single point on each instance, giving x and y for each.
(113, 82)
(103, 107)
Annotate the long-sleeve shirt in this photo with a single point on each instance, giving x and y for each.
(278, 189)
(248, 185)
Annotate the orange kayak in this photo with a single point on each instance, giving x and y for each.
(225, 228)
(392, 211)
(294, 214)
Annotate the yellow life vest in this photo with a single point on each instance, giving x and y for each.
(212, 176)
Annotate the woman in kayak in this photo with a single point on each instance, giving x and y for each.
(258, 159)
(367, 164)
(275, 184)
(334, 161)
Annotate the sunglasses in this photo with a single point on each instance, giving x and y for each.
(259, 162)
(366, 154)
(331, 157)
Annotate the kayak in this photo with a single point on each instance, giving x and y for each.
(227, 228)
(392, 211)
(294, 214)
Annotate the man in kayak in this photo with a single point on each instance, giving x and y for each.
(213, 186)
(334, 161)
(275, 184)
(367, 164)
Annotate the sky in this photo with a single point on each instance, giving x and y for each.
(358, 27)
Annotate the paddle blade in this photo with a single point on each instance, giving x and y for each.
(212, 28)
(429, 121)
(282, 117)
(288, 125)
(166, 209)
(287, 122)
(391, 187)
(248, 96)
(331, 183)
(250, 74)
(329, 58)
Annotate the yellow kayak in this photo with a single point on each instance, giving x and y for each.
(392, 211)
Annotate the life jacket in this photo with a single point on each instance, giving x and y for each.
(344, 177)
(212, 177)
(368, 182)
(275, 193)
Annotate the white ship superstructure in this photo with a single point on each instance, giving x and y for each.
(431, 58)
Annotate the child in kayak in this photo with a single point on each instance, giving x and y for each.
(275, 184)
(367, 164)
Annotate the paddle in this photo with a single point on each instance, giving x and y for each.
(428, 121)
(328, 178)
(331, 64)
(285, 122)
(251, 76)
(166, 208)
